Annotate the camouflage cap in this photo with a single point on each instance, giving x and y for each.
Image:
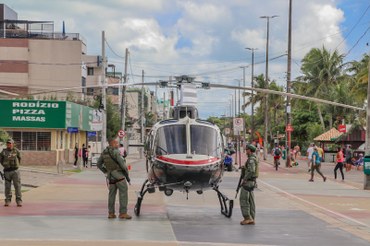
(251, 147)
(10, 141)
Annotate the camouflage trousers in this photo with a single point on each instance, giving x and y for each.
(122, 189)
(247, 204)
(15, 177)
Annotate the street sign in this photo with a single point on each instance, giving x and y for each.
(289, 128)
(121, 133)
(238, 125)
(342, 128)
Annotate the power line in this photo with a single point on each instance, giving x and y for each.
(354, 26)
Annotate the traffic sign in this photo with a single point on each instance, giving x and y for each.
(289, 128)
(121, 133)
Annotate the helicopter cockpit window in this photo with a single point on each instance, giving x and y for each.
(204, 141)
(171, 139)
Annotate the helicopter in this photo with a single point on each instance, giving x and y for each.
(184, 154)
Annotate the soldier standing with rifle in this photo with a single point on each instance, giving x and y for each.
(10, 159)
(247, 181)
(112, 164)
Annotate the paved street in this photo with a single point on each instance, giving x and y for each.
(71, 210)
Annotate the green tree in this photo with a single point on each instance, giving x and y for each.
(113, 119)
(3, 135)
(321, 70)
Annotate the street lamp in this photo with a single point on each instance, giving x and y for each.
(252, 85)
(266, 83)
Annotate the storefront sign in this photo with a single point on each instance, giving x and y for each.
(72, 129)
(32, 114)
(46, 115)
(342, 128)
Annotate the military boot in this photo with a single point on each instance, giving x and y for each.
(111, 216)
(19, 204)
(6, 204)
(247, 222)
(124, 216)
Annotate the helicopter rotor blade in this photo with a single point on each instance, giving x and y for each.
(281, 93)
(174, 84)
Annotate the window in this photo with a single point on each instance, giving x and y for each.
(43, 141)
(171, 139)
(40, 141)
(29, 141)
(90, 71)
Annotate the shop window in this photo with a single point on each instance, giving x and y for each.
(31, 140)
(43, 141)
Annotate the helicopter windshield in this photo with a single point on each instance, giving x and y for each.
(171, 140)
(204, 141)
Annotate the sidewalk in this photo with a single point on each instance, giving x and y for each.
(72, 210)
(353, 177)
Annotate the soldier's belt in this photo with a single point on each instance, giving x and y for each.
(116, 181)
(9, 169)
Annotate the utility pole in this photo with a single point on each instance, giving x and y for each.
(265, 144)
(164, 106)
(367, 142)
(288, 86)
(103, 94)
(252, 85)
(142, 114)
(123, 97)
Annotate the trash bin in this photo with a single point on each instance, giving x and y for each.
(367, 165)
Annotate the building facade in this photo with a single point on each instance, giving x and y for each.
(46, 131)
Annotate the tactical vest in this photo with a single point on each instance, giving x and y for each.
(10, 160)
(109, 162)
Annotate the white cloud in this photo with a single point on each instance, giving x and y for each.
(195, 37)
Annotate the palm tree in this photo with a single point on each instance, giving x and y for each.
(257, 97)
(360, 73)
(321, 69)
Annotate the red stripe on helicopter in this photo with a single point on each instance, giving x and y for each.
(188, 162)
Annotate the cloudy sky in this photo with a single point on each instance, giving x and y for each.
(207, 38)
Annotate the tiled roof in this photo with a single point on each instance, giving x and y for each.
(328, 136)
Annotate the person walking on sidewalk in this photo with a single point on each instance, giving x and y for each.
(85, 155)
(348, 156)
(309, 156)
(316, 164)
(113, 165)
(249, 176)
(340, 160)
(10, 159)
(75, 155)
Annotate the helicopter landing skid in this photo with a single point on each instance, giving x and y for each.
(225, 203)
(140, 197)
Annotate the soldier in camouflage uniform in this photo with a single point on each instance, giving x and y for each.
(249, 175)
(112, 164)
(10, 159)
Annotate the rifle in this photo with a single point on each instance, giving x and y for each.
(124, 171)
(239, 185)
